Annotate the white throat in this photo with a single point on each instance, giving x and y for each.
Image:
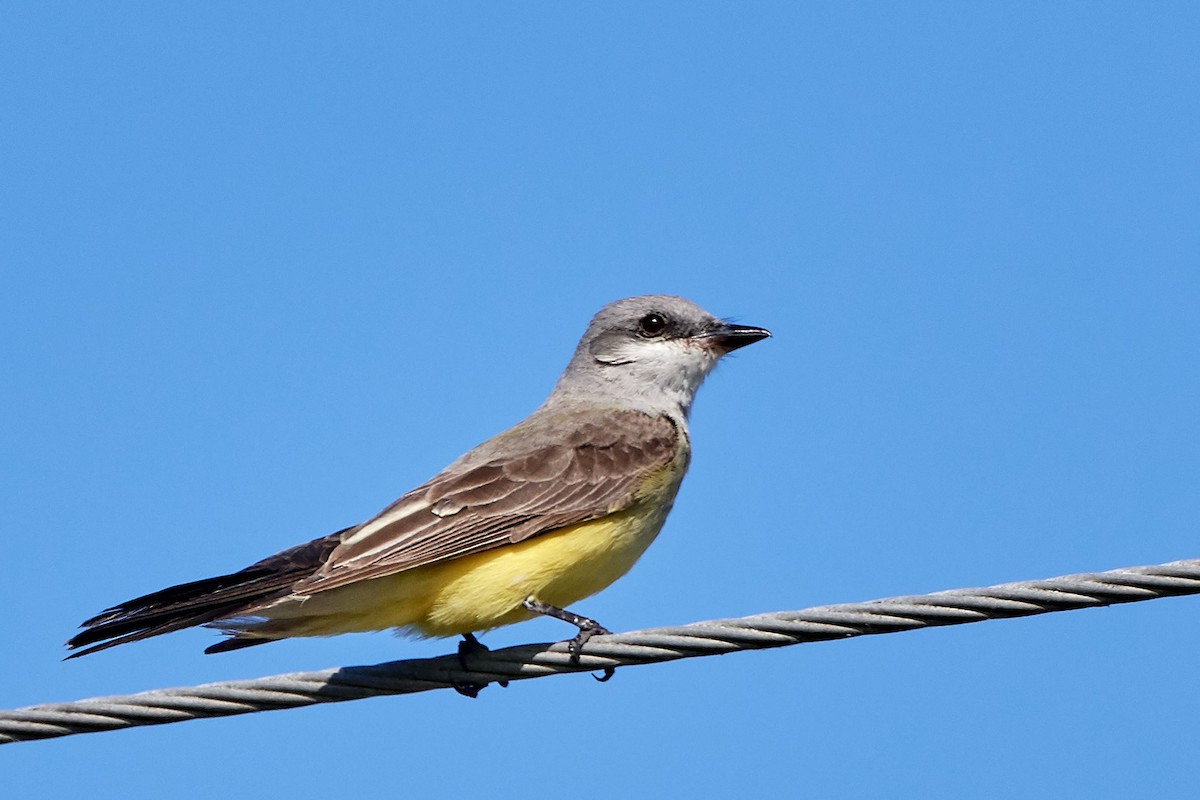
(658, 377)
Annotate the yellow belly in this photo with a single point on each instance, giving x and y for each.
(485, 590)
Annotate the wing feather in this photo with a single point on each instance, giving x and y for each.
(573, 468)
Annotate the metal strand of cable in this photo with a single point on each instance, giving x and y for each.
(649, 646)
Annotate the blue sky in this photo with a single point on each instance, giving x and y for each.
(268, 266)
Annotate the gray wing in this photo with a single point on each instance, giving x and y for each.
(543, 475)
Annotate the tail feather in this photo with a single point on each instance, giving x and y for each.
(236, 643)
(175, 597)
(204, 601)
(146, 630)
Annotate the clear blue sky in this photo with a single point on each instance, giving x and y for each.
(266, 266)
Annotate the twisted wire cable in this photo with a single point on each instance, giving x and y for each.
(649, 646)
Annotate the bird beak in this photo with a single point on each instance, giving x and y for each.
(727, 336)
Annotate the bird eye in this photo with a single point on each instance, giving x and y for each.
(652, 324)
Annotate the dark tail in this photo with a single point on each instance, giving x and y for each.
(208, 600)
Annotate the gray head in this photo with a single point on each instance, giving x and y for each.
(650, 352)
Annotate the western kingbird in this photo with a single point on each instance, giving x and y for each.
(547, 513)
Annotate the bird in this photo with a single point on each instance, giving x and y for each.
(528, 523)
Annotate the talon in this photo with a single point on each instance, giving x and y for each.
(608, 673)
(467, 689)
(466, 647)
(587, 629)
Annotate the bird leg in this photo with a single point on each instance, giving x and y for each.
(587, 629)
(466, 647)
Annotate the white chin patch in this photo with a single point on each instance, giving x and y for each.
(678, 365)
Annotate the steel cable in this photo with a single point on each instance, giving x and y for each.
(649, 646)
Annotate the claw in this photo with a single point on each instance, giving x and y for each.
(466, 647)
(587, 629)
(467, 689)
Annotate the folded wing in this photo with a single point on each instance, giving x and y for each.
(574, 467)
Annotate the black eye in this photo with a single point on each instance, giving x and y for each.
(652, 324)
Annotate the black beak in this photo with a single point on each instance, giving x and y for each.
(728, 336)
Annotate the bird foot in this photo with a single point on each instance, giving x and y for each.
(466, 647)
